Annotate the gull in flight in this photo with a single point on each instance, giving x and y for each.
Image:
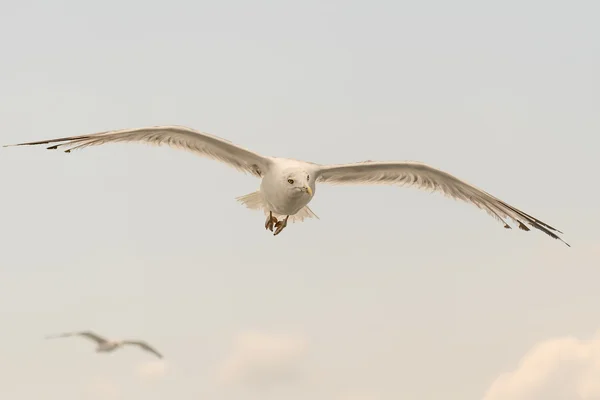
(287, 185)
(105, 345)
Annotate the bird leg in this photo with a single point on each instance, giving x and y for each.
(270, 222)
(280, 225)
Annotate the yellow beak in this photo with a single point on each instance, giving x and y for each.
(309, 190)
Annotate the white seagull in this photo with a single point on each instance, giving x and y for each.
(105, 345)
(287, 185)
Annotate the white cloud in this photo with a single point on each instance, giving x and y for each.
(152, 369)
(102, 389)
(557, 369)
(263, 359)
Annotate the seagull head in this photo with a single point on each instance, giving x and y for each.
(299, 182)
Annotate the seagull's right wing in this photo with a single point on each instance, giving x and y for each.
(175, 136)
(86, 334)
(428, 178)
(144, 346)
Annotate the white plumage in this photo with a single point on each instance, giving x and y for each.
(287, 185)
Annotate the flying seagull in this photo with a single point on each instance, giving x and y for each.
(105, 345)
(287, 185)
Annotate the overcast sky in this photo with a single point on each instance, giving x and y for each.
(393, 293)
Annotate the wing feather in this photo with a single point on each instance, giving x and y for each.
(174, 136)
(425, 177)
(86, 334)
(144, 346)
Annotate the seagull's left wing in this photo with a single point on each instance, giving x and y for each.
(87, 334)
(425, 177)
(144, 346)
(201, 143)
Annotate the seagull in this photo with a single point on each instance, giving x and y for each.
(105, 345)
(288, 185)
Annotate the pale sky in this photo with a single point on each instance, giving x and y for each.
(393, 293)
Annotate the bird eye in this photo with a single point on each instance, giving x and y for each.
(308, 177)
(291, 181)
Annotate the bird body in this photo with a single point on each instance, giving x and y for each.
(108, 346)
(287, 186)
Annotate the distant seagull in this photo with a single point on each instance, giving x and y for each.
(107, 346)
(288, 185)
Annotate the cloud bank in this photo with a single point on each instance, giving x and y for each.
(263, 359)
(152, 369)
(558, 369)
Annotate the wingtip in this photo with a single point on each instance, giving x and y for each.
(20, 144)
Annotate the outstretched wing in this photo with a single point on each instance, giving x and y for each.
(144, 346)
(175, 136)
(87, 334)
(425, 177)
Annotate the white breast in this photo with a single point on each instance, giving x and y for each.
(279, 200)
(276, 195)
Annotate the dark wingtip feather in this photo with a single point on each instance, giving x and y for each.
(47, 141)
(536, 223)
(529, 217)
(28, 143)
(548, 232)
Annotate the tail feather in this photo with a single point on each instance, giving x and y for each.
(254, 201)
